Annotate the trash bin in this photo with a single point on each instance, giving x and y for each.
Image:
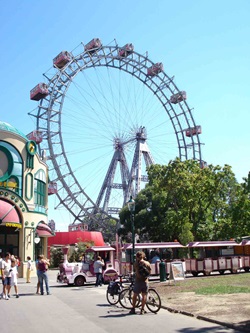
(162, 266)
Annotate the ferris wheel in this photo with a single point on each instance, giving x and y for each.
(106, 113)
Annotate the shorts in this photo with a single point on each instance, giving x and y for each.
(7, 281)
(140, 287)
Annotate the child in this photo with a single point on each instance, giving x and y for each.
(29, 269)
(14, 275)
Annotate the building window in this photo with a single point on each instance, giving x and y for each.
(11, 168)
(40, 188)
(29, 182)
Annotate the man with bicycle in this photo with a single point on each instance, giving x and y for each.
(142, 270)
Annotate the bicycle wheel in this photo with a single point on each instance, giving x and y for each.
(126, 299)
(112, 298)
(153, 301)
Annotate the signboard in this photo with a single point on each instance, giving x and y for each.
(177, 271)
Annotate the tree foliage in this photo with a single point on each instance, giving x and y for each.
(107, 227)
(184, 202)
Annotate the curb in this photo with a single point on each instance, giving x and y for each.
(228, 325)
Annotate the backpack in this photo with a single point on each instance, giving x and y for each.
(144, 270)
(113, 288)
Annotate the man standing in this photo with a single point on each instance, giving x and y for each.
(98, 264)
(141, 280)
(6, 276)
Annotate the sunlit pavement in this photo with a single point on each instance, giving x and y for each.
(70, 308)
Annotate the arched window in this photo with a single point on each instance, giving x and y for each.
(40, 188)
(11, 168)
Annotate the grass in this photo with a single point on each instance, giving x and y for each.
(221, 289)
(210, 285)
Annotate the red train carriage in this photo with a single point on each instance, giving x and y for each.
(220, 256)
(167, 251)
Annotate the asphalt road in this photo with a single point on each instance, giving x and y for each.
(70, 309)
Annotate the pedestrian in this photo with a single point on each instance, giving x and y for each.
(156, 258)
(98, 265)
(17, 262)
(42, 266)
(1, 272)
(14, 276)
(6, 266)
(38, 282)
(29, 269)
(141, 282)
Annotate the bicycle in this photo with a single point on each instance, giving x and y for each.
(125, 296)
(153, 302)
(115, 288)
(113, 291)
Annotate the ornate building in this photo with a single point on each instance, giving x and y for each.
(23, 197)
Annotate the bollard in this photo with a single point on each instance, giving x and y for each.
(162, 266)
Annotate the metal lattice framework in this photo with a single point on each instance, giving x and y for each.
(71, 193)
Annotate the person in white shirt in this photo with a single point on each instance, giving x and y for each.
(29, 269)
(6, 275)
(98, 265)
(14, 275)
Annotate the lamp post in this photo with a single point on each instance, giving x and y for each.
(131, 207)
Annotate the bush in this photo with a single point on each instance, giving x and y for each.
(56, 257)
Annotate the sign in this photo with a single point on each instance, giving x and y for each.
(177, 271)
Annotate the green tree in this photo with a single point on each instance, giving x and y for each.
(56, 256)
(108, 227)
(76, 252)
(184, 202)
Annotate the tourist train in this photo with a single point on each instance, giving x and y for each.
(196, 257)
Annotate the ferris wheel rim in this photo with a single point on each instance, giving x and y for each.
(136, 65)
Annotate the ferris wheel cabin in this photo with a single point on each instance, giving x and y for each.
(39, 91)
(193, 131)
(203, 164)
(93, 45)
(36, 136)
(62, 59)
(52, 188)
(179, 97)
(126, 50)
(155, 69)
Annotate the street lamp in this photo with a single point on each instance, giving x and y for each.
(131, 207)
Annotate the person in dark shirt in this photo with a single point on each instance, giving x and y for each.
(42, 267)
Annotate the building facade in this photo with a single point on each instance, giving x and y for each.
(23, 197)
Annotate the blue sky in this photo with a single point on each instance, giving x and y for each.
(203, 44)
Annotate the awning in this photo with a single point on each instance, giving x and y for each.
(9, 216)
(245, 242)
(212, 244)
(100, 248)
(43, 230)
(160, 245)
